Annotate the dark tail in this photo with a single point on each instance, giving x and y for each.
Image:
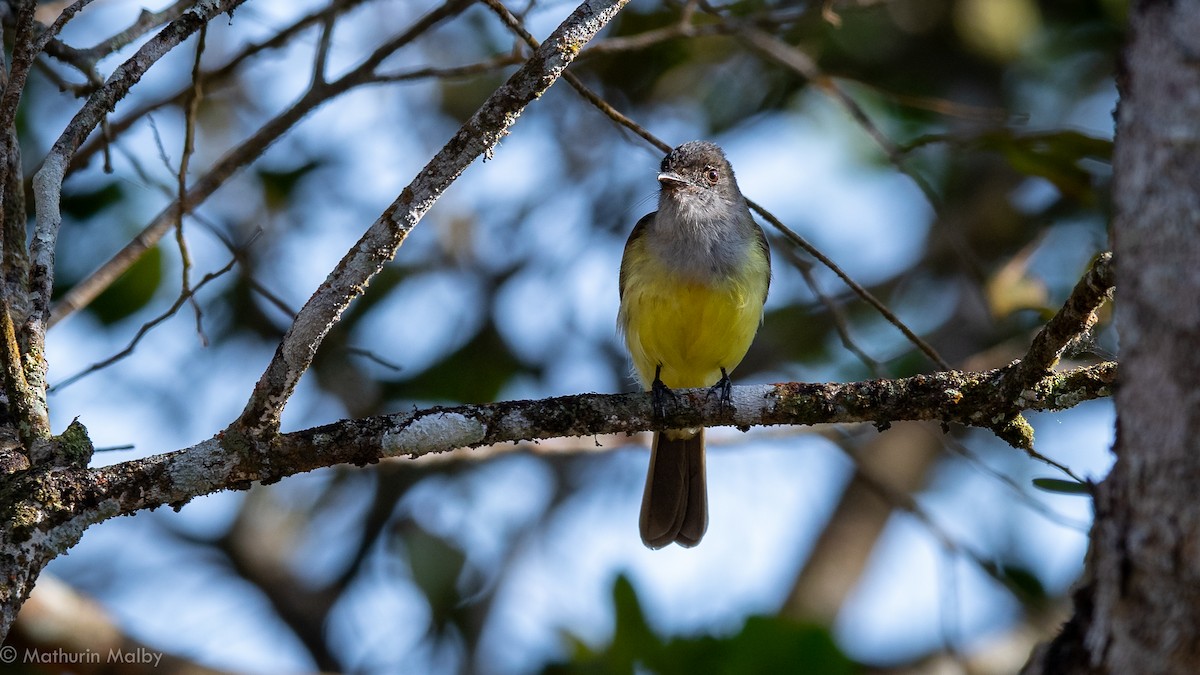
(675, 503)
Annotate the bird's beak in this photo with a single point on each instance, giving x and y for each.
(669, 179)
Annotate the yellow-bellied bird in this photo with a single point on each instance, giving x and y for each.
(694, 278)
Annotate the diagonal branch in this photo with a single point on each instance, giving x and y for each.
(478, 136)
(1072, 322)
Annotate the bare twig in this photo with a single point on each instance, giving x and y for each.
(778, 51)
(84, 60)
(189, 147)
(514, 24)
(835, 312)
(971, 457)
(146, 22)
(321, 57)
(858, 289)
(187, 295)
(1072, 322)
(448, 72)
(1075, 319)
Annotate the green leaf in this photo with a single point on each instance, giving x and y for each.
(132, 290)
(475, 372)
(1060, 486)
(1055, 156)
(84, 205)
(1025, 581)
(436, 565)
(279, 186)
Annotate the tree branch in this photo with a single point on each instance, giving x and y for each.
(478, 136)
(968, 398)
(1072, 322)
(52, 506)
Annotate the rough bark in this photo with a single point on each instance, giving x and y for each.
(1137, 610)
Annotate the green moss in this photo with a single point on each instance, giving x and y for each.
(75, 445)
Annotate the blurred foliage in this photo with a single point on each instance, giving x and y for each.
(279, 186)
(132, 291)
(982, 99)
(764, 645)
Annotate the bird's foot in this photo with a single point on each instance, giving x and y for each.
(723, 390)
(660, 395)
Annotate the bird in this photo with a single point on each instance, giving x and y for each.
(693, 281)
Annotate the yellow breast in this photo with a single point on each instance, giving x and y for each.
(691, 329)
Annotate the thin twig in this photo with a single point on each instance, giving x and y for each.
(60, 21)
(146, 22)
(189, 147)
(836, 314)
(778, 51)
(372, 356)
(449, 72)
(971, 457)
(861, 292)
(1074, 319)
(321, 57)
(48, 180)
(905, 503)
(146, 328)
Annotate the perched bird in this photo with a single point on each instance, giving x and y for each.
(694, 278)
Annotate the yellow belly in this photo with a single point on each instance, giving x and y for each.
(691, 329)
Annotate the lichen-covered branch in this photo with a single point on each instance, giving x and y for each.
(478, 136)
(230, 459)
(1075, 319)
(46, 510)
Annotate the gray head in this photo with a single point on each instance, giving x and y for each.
(698, 184)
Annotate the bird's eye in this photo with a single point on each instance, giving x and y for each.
(712, 175)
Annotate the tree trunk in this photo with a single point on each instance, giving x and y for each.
(1137, 609)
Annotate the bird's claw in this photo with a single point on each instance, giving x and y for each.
(660, 394)
(723, 390)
